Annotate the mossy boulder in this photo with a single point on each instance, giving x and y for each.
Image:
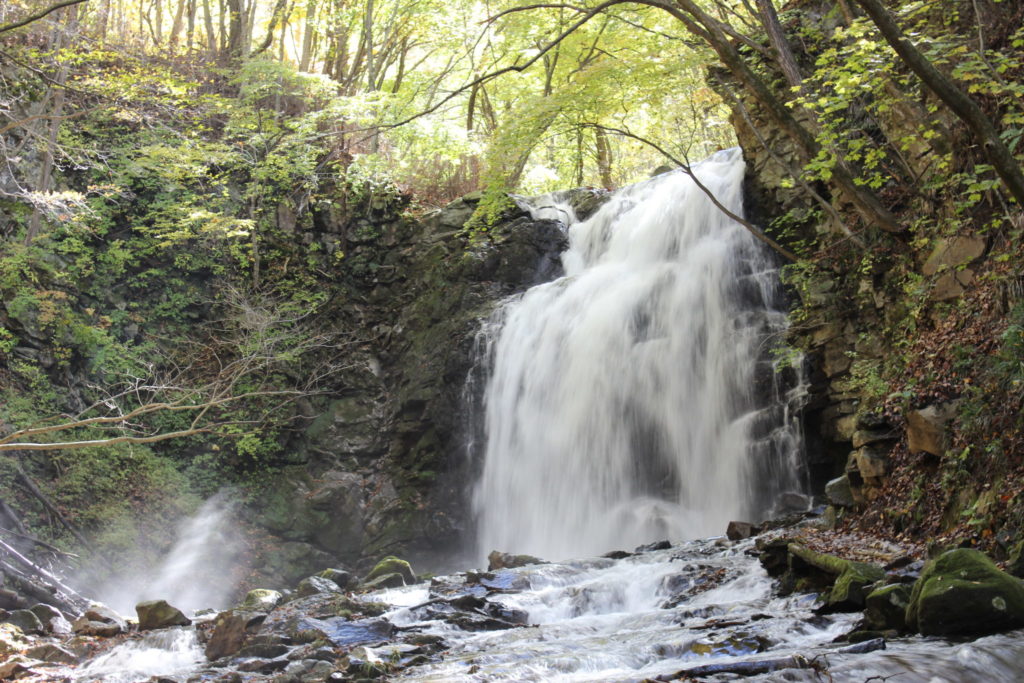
(499, 560)
(848, 588)
(261, 600)
(154, 614)
(338, 576)
(315, 584)
(962, 592)
(391, 565)
(26, 621)
(886, 607)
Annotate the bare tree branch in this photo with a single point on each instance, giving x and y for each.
(751, 228)
(38, 15)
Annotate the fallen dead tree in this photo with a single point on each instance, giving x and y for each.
(767, 666)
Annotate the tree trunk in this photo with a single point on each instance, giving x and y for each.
(604, 158)
(306, 58)
(957, 100)
(177, 24)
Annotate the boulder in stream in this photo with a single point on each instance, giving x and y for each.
(154, 614)
(962, 592)
(500, 560)
(261, 600)
(392, 565)
(230, 629)
(52, 618)
(99, 620)
(312, 585)
(886, 607)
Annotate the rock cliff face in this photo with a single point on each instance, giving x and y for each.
(901, 330)
(383, 468)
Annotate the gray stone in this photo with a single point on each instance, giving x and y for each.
(26, 621)
(872, 463)
(839, 492)
(868, 437)
(230, 630)
(927, 428)
(50, 652)
(338, 576)
(950, 252)
(946, 287)
(739, 530)
(315, 584)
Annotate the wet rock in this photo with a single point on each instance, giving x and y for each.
(657, 545)
(927, 428)
(306, 671)
(261, 600)
(340, 631)
(338, 576)
(26, 621)
(773, 554)
(696, 580)
(851, 578)
(263, 666)
(382, 582)
(392, 565)
(617, 555)
(315, 584)
(839, 492)
(962, 592)
(230, 629)
(886, 607)
(264, 650)
(468, 621)
(154, 614)
(50, 652)
(737, 531)
(499, 560)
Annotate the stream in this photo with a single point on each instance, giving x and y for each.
(660, 612)
(653, 613)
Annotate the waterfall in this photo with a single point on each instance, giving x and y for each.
(633, 399)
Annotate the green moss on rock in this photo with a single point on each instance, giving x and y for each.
(391, 565)
(962, 592)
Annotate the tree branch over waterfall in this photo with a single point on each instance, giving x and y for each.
(751, 228)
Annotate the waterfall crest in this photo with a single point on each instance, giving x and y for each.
(626, 401)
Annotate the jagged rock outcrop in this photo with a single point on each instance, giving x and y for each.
(381, 468)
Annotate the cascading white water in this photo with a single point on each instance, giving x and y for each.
(621, 406)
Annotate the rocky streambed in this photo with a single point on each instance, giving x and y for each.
(766, 608)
